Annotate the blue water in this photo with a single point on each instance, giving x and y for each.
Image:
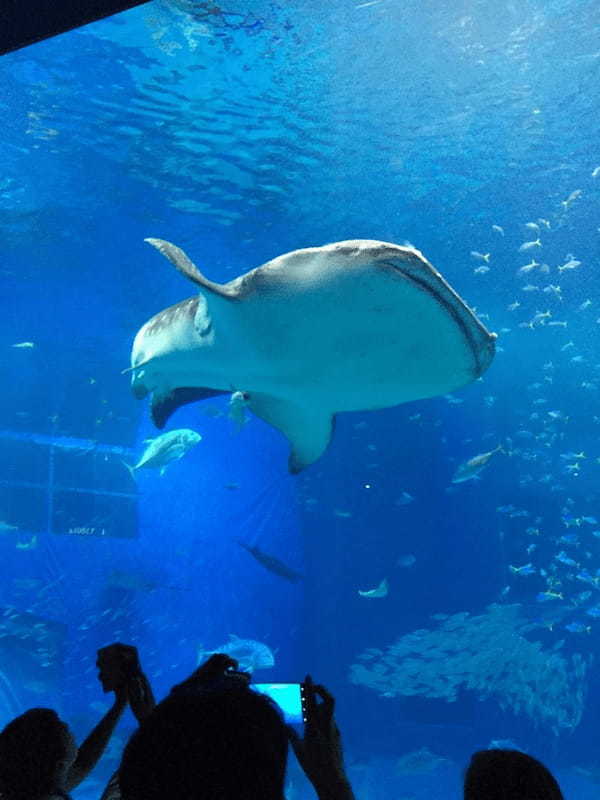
(240, 135)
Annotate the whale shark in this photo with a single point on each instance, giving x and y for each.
(350, 326)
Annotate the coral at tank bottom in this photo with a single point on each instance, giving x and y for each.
(487, 654)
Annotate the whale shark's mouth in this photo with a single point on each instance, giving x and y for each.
(165, 405)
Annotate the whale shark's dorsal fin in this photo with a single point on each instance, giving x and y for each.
(187, 267)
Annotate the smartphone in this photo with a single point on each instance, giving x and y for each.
(289, 697)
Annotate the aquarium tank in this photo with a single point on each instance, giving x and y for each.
(374, 459)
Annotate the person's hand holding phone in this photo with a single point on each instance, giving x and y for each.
(319, 751)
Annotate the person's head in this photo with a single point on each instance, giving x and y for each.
(36, 750)
(223, 744)
(509, 775)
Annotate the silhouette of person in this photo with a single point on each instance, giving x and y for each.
(509, 775)
(215, 737)
(39, 757)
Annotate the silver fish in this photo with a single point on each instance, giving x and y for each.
(473, 466)
(166, 448)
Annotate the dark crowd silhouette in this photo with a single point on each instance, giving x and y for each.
(214, 738)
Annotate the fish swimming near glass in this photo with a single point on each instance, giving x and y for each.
(168, 447)
(420, 762)
(273, 564)
(471, 468)
(349, 326)
(250, 654)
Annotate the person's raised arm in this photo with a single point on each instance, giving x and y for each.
(319, 751)
(94, 745)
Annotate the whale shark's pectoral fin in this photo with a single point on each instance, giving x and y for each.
(308, 429)
(165, 404)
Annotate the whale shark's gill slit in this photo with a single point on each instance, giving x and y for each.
(164, 405)
(457, 312)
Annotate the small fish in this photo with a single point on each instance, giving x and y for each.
(481, 270)
(469, 469)
(528, 267)
(6, 526)
(526, 569)
(379, 591)
(481, 256)
(164, 449)
(544, 222)
(569, 521)
(564, 559)
(595, 173)
(338, 512)
(24, 345)
(558, 415)
(272, 563)
(529, 245)
(407, 561)
(594, 611)
(404, 499)
(585, 576)
(530, 288)
(569, 538)
(513, 306)
(573, 196)
(498, 229)
(571, 264)
(533, 226)
(543, 597)
(420, 762)
(590, 520)
(577, 627)
(584, 305)
(570, 456)
(541, 317)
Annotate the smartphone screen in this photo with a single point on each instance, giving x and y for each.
(288, 696)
